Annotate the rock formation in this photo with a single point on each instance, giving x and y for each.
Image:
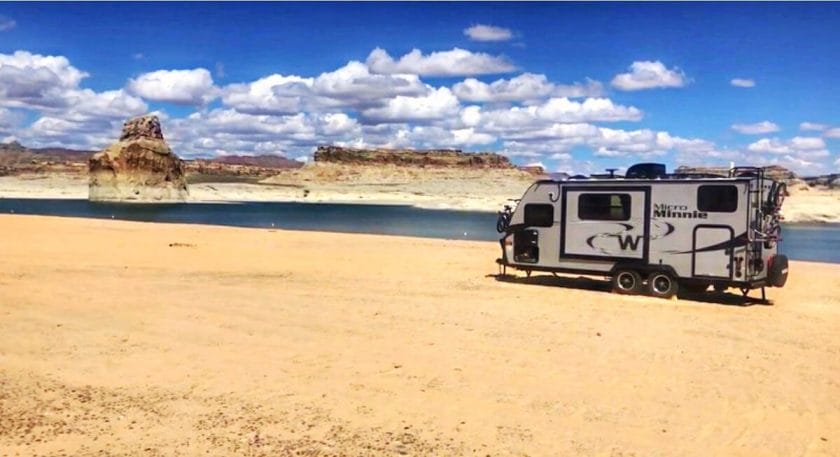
(139, 167)
(410, 157)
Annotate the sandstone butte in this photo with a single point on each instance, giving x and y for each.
(139, 167)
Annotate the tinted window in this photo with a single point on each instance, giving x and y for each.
(539, 215)
(717, 198)
(604, 207)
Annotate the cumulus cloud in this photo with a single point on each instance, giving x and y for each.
(525, 87)
(351, 86)
(812, 126)
(590, 110)
(36, 81)
(649, 75)
(274, 94)
(757, 128)
(354, 85)
(438, 104)
(226, 131)
(741, 82)
(814, 146)
(182, 87)
(483, 32)
(456, 62)
(533, 121)
(6, 23)
(832, 133)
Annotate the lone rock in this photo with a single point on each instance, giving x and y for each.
(139, 167)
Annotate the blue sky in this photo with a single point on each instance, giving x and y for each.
(576, 87)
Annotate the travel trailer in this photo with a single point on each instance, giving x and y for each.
(651, 232)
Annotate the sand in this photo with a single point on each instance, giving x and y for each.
(122, 338)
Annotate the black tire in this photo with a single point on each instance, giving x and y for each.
(662, 285)
(626, 282)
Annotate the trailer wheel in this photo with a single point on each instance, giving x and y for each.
(626, 282)
(662, 285)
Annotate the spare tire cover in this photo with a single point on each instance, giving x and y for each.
(777, 271)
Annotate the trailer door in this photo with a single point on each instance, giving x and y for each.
(713, 251)
(606, 223)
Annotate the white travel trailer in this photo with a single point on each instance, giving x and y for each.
(652, 232)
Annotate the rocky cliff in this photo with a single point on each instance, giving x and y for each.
(411, 157)
(139, 167)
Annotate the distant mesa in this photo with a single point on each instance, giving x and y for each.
(411, 157)
(139, 167)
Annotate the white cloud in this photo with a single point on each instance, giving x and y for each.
(86, 104)
(182, 87)
(226, 131)
(649, 75)
(800, 143)
(483, 32)
(526, 86)
(814, 146)
(812, 126)
(35, 81)
(741, 82)
(438, 104)
(6, 23)
(354, 85)
(469, 137)
(351, 86)
(456, 62)
(523, 88)
(336, 124)
(832, 133)
(770, 145)
(757, 128)
(274, 94)
(471, 116)
(591, 88)
(590, 110)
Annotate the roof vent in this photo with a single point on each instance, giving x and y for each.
(646, 171)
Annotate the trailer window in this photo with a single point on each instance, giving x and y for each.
(604, 207)
(539, 215)
(717, 198)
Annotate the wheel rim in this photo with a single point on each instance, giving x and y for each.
(626, 281)
(661, 284)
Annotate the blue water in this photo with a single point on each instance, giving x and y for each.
(803, 242)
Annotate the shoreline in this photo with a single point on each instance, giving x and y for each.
(797, 223)
(803, 207)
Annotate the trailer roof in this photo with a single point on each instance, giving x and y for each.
(670, 179)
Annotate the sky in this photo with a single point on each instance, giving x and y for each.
(574, 87)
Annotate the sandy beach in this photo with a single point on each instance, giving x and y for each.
(121, 338)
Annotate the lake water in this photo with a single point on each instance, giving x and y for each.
(802, 242)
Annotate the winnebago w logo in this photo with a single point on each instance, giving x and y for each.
(607, 243)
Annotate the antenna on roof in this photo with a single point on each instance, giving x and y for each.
(611, 171)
